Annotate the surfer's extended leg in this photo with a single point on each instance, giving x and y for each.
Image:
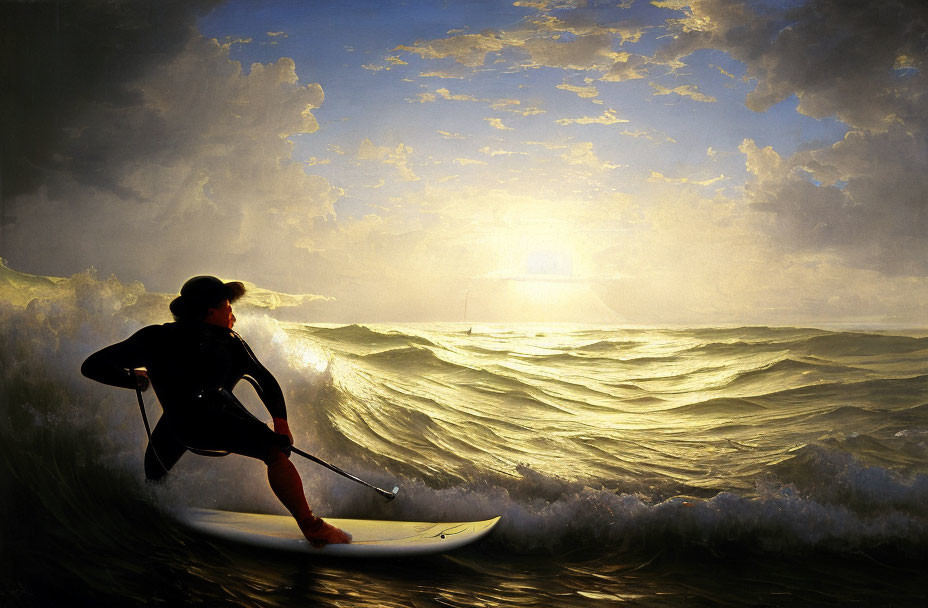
(162, 453)
(286, 483)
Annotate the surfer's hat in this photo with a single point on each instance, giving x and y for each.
(201, 293)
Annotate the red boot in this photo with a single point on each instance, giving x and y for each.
(319, 533)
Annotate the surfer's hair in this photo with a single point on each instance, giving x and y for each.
(201, 293)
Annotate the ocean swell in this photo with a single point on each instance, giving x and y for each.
(605, 464)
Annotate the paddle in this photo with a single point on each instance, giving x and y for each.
(332, 467)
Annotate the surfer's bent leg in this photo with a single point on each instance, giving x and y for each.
(236, 430)
(162, 453)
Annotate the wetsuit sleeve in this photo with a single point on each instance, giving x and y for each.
(113, 365)
(265, 384)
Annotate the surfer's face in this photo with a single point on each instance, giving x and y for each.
(221, 316)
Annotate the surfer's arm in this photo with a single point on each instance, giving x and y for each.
(266, 385)
(114, 364)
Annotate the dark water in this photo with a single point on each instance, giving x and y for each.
(653, 467)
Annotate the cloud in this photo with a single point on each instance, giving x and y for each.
(451, 73)
(837, 61)
(67, 56)
(862, 198)
(529, 111)
(723, 72)
(546, 145)
(582, 154)
(586, 92)
(550, 5)
(571, 40)
(579, 23)
(582, 53)
(446, 94)
(449, 135)
(228, 41)
(655, 136)
(626, 67)
(469, 161)
(657, 177)
(497, 123)
(506, 105)
(687, 90)
(467, 49)
(195, 147)
(258, 297)
(498, 152)
(606, 118)
(423, 97)
(397, 157)
(391, 60)
(678, 5)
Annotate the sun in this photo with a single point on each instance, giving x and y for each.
(549, 263)
(547, 276)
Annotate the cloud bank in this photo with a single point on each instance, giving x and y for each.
(140, 146)
(181, 163)
(863, 198)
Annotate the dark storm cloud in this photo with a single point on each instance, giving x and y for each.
(152, 154)
(863, 62)
(864, 198)
(837, 56)
(60, 57)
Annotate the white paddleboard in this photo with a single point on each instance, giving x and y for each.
(370, 538)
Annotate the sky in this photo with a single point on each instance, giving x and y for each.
(664, 162)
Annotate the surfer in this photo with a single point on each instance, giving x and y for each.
(193, 365)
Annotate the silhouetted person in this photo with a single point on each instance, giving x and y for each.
(193, 365)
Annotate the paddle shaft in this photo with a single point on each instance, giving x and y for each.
(138, 393)
(386, 494)
(331, 467)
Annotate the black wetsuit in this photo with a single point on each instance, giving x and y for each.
(193, 368)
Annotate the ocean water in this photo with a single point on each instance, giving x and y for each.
(736, 466)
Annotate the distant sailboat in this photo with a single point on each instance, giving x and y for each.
(470, 330)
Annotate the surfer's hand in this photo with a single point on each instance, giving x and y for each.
(282, 428)
(141, 379)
